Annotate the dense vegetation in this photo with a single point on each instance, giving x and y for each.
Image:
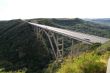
(20, 48)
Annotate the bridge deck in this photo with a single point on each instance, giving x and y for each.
(75, 35)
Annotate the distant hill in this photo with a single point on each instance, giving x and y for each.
(103, 21)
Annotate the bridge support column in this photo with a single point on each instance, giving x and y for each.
(39, 32)
(50, 36)
(60, 47)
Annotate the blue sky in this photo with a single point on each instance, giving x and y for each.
(25, 9)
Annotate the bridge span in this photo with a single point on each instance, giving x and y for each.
(58, 51)
(75, 35)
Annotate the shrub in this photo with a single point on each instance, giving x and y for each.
(85, 63)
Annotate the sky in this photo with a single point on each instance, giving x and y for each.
(26, 9)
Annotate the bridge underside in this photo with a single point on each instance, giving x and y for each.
(56, 42)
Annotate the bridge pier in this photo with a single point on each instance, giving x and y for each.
(60, 47)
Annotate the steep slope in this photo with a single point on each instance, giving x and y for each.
(19, 47)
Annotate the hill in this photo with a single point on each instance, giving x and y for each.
(20, 48)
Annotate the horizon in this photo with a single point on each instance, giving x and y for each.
(56, 18)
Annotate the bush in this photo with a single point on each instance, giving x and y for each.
(85, 63)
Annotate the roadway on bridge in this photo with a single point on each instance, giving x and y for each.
(72, 34)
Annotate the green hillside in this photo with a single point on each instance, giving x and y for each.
(20, 48)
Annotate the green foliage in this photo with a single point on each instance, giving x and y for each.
(52, 67)
(95, 45)
(103, 48)
(20, 48)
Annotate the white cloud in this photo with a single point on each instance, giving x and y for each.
(54, 8)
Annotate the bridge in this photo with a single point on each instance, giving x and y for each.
(54, 38)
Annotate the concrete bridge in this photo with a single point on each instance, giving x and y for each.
(54, 38)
